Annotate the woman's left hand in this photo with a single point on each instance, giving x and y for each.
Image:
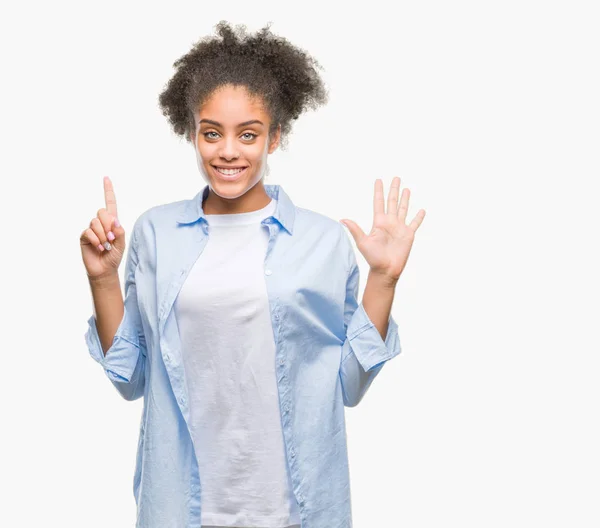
(387, 246)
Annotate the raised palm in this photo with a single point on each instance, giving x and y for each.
(387, 246)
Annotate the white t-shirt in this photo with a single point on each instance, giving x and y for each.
(228, 350)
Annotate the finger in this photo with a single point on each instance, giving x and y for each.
(418, 220)
(355, 230)
(392, 203)
(106, 219)
(99, 230)
(378, 205)
(109, 197)
(403, 207)
(93, 239)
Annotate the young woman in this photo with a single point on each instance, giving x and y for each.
(240, 325)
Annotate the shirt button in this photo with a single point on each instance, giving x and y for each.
(293, 453)
(282, 361)
(167, 357)
(182, 400)
(268, 272)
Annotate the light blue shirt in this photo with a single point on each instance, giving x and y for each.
(328, 352)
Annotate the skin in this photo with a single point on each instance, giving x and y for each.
(102, 266)
(387, 246)
(229, 144)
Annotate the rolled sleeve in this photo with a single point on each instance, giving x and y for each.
(364, 340)
(122, 356)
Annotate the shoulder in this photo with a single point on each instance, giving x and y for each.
(161, 213)
(331, 231)
(309, 219)
(156, 218)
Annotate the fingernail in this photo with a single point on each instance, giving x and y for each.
(111, 236)
(100, 247)
(107, 245)
(117, 224)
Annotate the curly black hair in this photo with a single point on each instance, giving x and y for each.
(284, 75)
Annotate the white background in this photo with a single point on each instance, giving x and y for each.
(488, 111)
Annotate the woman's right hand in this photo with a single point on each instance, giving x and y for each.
(101, 262)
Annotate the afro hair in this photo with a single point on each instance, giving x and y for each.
(283, 75)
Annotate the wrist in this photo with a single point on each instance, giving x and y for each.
(382, 280)
(104, 281)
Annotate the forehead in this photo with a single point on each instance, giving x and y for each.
(233, 104)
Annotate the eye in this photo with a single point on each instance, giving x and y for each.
(250, 134)
(205, 134)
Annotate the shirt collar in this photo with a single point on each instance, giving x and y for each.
(284, 213)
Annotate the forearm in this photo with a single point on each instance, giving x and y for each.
(377, 300)
(108, 308)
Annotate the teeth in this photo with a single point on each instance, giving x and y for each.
(229, 172)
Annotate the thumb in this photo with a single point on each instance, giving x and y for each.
(119, 233)
(354, 228)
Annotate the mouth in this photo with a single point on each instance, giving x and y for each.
(229, 173)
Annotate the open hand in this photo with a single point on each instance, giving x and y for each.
(387, 246)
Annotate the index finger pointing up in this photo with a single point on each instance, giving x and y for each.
(109, 197)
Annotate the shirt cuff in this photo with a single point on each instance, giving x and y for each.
(366, 343)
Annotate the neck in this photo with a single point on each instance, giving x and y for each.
(253, 200)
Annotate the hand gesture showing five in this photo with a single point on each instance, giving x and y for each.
(387, 246)
(103, 243)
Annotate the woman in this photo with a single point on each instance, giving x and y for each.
(240, 325)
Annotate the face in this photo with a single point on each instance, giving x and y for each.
(232, 141)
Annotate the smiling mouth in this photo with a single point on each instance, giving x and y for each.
(229, 173)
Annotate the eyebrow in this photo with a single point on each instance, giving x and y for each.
(245, 123)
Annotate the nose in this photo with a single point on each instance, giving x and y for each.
(228, 150)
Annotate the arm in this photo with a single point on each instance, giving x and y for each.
(365, 351)
(115, 336)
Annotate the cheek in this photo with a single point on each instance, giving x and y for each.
(257, 154)
(206, 150)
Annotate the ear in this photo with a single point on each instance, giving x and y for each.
(275, 141)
